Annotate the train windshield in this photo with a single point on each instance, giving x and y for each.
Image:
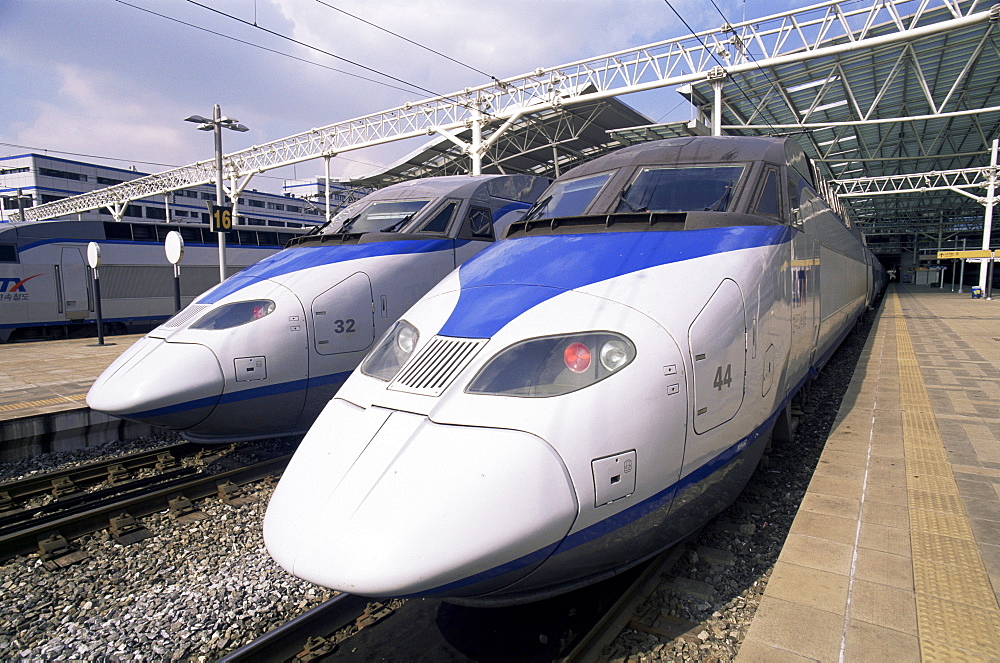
(381, 216)
(683, 189)
(568, 198)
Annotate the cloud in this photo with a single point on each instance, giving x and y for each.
(105, 78)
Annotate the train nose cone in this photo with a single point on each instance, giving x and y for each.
(386, 503)
(175, 385)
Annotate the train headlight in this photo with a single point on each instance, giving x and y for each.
(391, 352)
(235, 314)
(553, 365)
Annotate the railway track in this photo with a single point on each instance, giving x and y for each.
(65, 482)
(50, 529)
(348, 626)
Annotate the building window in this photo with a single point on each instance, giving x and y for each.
(107, 181)
(255, 203)
(66, 175)
(156, 213)
(134, 210)
(11, 171)
(277, 206)
(49, 198)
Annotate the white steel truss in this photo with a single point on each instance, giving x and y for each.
(958, 181)
(813, 33)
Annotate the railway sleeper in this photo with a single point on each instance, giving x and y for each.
(117, 474)
(373, 614)
(233, 494)
(56, 553)
(183, 511)
(62, 486)
(316, 647)
(126, 530)
(6, 503)
(165, 460)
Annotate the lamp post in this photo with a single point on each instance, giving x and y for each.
(216, 124)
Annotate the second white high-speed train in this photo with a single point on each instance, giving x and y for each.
(260, 354)
(588, 391)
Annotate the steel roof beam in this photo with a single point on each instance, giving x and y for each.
(778, 40)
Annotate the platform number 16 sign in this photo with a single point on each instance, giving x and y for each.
(222, 218)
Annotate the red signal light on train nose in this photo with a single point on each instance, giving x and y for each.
(577, 357)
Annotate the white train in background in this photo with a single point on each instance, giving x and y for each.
(262, 353)
(585, 393)
(46, 287)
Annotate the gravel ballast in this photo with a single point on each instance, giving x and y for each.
(194, 591)
(197, 591)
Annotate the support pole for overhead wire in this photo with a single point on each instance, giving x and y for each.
(718, 77)
(991, 198)
(220, 196)
(476, 147)
(326, 187)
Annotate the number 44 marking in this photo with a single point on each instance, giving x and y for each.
(723, 380)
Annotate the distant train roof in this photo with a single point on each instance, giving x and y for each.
(707, 149)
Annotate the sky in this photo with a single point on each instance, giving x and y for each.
(110, 81)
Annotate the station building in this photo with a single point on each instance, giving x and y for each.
(37, 179)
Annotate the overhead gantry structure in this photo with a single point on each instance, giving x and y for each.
(903, 127)
(872, 88)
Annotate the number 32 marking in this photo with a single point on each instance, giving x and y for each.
(343, 326)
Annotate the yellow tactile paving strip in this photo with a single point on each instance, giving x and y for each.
(11, 407)
(887, 560)
(957, 613)
(47, 377)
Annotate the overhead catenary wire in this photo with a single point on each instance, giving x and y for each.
(408, 40)
(314, 48)
(264, 48)
(717, 61)
(45, 150)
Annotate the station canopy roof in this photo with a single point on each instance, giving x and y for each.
(870, 116)
(545, 142)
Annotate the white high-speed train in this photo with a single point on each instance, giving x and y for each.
(588, 391)
(46, 287)
(260, 354)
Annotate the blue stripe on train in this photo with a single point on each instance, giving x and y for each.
(297, 259)
(534, 269)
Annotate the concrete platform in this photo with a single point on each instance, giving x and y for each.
(43, 386)
(894, 554)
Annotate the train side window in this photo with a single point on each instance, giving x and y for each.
(767, 199)
(8, 253)
(799, 195)
(142, 232)
(117, 230)
(480, 222)
(439, 222)
(190, 234)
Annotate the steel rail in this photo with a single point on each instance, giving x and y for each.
(89, 473)
(25, 540)
(287, 640)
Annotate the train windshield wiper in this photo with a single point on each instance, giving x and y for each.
(536, 209)
(722, 202)
(623, 200)
(399, 224)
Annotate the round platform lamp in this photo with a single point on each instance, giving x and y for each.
(94, 260)
(174, 248)
(217, 124)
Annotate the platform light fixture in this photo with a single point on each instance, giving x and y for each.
(217, 124)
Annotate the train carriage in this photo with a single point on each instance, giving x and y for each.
(588, 391)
